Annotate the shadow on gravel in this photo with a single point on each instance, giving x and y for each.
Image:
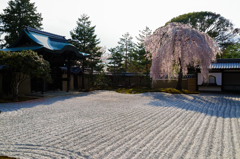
(224, 105)
(42, 151)
(6, 107)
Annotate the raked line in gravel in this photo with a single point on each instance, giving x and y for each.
(106, 124)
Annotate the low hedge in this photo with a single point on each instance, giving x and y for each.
(143, 90)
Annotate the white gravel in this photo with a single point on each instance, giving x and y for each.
(106, 124)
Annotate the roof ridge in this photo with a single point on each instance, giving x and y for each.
(29, 29)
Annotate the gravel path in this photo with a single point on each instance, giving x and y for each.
(106, 124)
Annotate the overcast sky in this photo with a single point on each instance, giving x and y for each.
(113, 18)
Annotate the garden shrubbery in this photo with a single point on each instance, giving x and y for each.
(137, 90)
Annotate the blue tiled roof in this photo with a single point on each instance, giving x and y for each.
(55, 36)
(49, 41)
(52, 42)
(225, 66)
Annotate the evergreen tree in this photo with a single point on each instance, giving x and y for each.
(86, 41)
(140, 62)
(231, 52)
(215, 25)
(115, 64)
(126, 47)
(15, 16)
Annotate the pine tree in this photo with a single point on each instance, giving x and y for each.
(86, 41)
(140, 62)
(15, 16)
(126, 46)
(115, 64)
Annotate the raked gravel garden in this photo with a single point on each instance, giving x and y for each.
(107, 124)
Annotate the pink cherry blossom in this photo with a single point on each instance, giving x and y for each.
(178, 46)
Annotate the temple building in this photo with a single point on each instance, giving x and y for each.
(61, 55)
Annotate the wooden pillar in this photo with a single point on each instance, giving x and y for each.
(68, 75)
(196, 80)
(75, 82)
(222, 81)
(83, 74)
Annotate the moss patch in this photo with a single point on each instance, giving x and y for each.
(5, 157)
(143, 90)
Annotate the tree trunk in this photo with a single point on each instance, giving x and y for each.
(126, 65)
(83, 75)
(15, 93)
(148, 77)
(92, 77)
(15, 97)
(180, 76)
(114, 76)
(126, 58)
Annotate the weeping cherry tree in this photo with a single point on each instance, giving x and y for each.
(177, 46)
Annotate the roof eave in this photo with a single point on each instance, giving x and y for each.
(21, 36)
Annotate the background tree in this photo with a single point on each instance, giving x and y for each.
(86, 41)
(177, 46)
(232, 51)
(115, 64)
(126, 46)
(100, 79)
(21, 65)
(216, 26)
(1, 33)
(140, 62)
(104, 57)
(17, 14)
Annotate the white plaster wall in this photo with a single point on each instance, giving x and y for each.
(217, 75)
